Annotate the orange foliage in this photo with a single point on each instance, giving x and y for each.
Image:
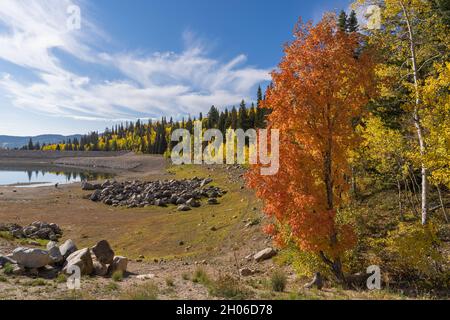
(320, 87)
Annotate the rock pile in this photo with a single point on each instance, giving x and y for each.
(98, 260)
(186, 194)
(36, 230)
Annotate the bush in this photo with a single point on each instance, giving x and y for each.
(170, 282)
(147, 291)
(62, 278)
(278, 281)
(8, 268)
(117, 276)
(200, 276)
(228, 287)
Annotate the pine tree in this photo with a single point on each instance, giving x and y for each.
(352, 22)
(342, 21)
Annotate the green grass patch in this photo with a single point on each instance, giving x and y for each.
(147, 291)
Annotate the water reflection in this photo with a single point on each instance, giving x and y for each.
(31, 177)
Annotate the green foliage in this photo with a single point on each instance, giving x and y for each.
(147, 291)
(61, 278)
(117, 276)
(8, 268)
(228, 287)
(278, 281)
(200, 276)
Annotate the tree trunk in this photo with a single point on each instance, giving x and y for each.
(416, 117)
(442, 203)
(400, 208)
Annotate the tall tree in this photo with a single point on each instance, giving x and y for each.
(319, 88)
(342, 21)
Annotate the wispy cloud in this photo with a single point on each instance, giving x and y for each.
(155, 84)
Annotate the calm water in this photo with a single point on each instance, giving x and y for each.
(39, 177)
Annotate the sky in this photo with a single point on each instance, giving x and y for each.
(136, 59)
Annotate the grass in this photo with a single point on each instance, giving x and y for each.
(200, 276)
(229, 287)
(39, 282)
(117, 276)
(278, 281)
(8, 268)
(111, 287)
(156, 232)
(61, 278)
(146, 291)
(3, 279)
(186, 276)
(6, 235)
(170, 282)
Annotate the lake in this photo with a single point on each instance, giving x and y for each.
(39, 177)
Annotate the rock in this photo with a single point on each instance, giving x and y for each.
(213, 228)
(265, 254)
(119, 264)
(4, 260)
(184, 207)
(212, 201)
(246, 272)
(67, 248)
(31, 258)
(145, 276)
(55, 255)
(17, 233)
(95, 196)
(100, 269)
(193, 203)
(103, 252)
(81, 258)
(86, 186)
(28, 231)
(51, 244)
(316, 282)
(18, 270)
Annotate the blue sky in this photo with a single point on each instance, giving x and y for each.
(136, 59)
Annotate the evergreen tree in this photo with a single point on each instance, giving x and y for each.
(352, 22)
(30, 144)
(342, 21)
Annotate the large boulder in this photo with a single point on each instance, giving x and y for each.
(265, 254)
(100, 269)
(55, 255)
(31, 258)
(119, 264)
(86, 186)
(103, 252)
(81, 258)
(67, 248)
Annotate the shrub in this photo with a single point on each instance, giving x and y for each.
(147, 291)
(228, 287)
(200, 276)
(3, 279)
(186, 276)
(62, 278)
(8, 268)
(117, 276)
(170, 282)
(278, 281)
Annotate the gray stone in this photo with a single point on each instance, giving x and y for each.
(51, 244)
(193, 203)
(55, 255)
(67, 248)
(81, 258)
(103, 252)
(184, 207)
(31, 258)
(100, 269)
(119, 264)
(265, 254)
(212, 201)
(246, 272)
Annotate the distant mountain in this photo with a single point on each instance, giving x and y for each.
(12, 142)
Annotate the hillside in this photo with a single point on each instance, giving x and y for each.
(12, 142)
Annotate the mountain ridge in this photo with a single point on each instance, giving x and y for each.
(12, 142)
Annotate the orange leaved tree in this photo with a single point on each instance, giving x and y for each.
(319, 89)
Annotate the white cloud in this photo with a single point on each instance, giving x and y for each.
(168, 83)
